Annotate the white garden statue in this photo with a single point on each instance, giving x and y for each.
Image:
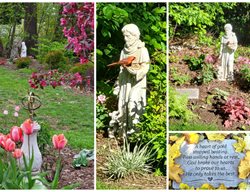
(229, 45)
(131, 84)
(23, 50)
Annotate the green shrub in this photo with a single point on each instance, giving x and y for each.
(55, 60)
(124, 162)
(45, 45)
(178, 106)
(179, 79)
(245, 73)
(206, 75)
(44, 136)
(153, 121)
(23, 62)
(102, 116)
(195, 63)
(82, 68)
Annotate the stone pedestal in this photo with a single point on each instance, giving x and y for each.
(29, 146)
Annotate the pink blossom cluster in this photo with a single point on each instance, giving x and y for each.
(78, 26)
(236, 111)
(243, 60)
(54, 78)
(210, 59)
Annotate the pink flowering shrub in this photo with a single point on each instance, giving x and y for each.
(54, 78)
(78, 27)
(210, 59)
(235, 110)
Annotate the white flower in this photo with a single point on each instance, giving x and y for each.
(101, 99)
(16, 114)
(5, 112)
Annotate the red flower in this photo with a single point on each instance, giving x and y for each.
(17, 153)
(27, 127)
(16, 134)
(59, 141)
(9, 145)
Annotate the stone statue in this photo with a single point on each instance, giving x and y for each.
(228, 46)
(131, 84)
(23, 50)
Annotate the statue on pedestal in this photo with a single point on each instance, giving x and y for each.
(229, 45)
(131, 84)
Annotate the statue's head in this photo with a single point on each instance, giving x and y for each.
(23, 44)
(228, 28)
(131, 33)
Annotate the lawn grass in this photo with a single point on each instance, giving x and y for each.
(63, 110)
(195, 126)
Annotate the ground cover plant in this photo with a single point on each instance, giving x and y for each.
(194, 60)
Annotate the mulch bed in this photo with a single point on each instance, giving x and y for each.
(69, 175)
(147, 181)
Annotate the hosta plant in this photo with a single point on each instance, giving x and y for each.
(126, 162)
(235, 110)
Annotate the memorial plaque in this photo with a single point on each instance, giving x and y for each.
(192, 93)
(212, 162)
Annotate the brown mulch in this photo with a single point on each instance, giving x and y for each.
(207, 113)
(69, 175)
(104, 146)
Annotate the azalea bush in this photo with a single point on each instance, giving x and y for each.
(54, 78)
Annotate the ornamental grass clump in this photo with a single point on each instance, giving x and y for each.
(124, 162)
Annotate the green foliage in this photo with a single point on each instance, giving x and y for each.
(206, 75)
(178, 78)
(55, 60)
(23, 62)
(245, 75)
(151, 20)
(12, 177)
(80, 161)
(195, 63)
(45, 46)
(82, 68)
(44, 136)
(178, 107)
(124, 162)
(102, 116)
(245, 71)
(197, 18)
(179, 125)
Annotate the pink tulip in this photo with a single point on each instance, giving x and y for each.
(9, 145)
(59, 141)
(2, 140)
(16, 134)
(27, 127)
(17, 153)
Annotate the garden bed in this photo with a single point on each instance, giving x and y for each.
(104, 147)
(208, 117)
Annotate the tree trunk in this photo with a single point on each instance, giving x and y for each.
(30, 27)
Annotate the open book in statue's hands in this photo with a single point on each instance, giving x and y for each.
(124, 62)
